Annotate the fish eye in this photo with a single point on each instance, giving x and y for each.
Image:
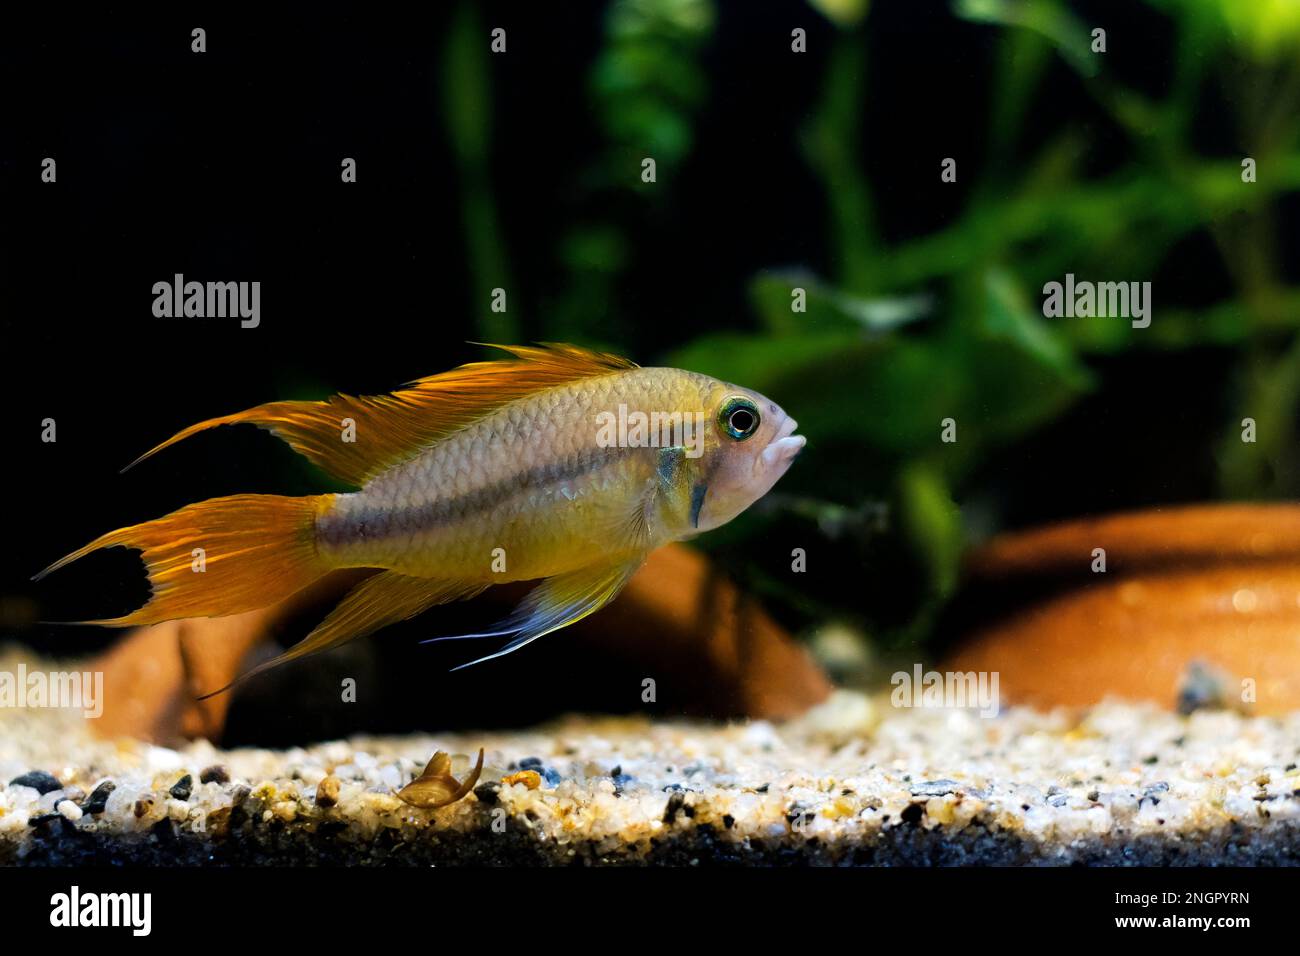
(739, 418)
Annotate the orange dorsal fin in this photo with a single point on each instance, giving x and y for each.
(390, 429)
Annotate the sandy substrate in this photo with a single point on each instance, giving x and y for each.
(854, 782)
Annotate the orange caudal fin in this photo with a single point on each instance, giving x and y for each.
(392, 428)
(219, 557)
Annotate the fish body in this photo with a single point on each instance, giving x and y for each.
(562, 465)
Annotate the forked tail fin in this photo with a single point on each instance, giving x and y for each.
(221, 556)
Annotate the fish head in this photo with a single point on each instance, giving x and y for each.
(753, 442)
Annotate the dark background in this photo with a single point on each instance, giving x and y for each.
(522, 171)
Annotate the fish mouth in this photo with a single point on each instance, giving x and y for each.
(785, 447)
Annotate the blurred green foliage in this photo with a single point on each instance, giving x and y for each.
(467, 109)
(647, 86)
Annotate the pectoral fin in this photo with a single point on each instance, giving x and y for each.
(558, 602)
(671, 462)
(673, 477)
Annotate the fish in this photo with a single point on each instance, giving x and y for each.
(558, 464)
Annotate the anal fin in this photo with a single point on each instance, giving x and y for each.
(558, 602)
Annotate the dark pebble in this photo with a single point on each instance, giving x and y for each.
(216, 774)
(617, 771)
(551, 777)
(912, 813)
(37, 780)
(728, 820)
(164, 831)
(98, 798)
(675, 802)
(43, 818)
(183, 787)
(1202, 688)
(487, 792)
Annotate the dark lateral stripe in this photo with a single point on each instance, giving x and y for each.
(377, 522)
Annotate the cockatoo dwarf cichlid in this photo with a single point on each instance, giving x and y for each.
(558, 464)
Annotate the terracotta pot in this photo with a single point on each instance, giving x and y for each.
(1188, 594)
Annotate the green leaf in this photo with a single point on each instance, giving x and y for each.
(1046, 17)
(932, 524)
(1010, 316)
